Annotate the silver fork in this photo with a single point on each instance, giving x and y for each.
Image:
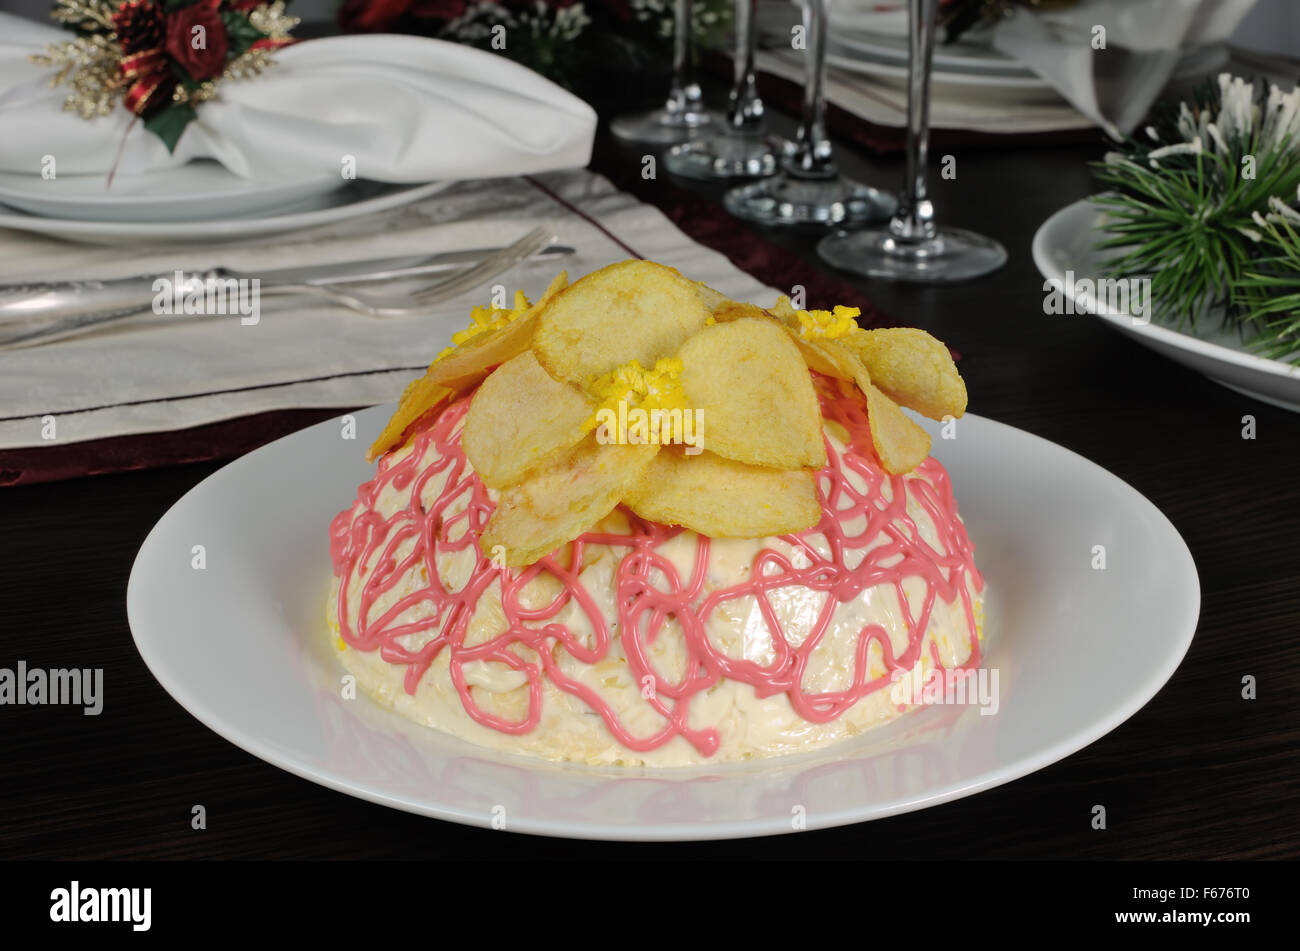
(396, 305)
(367, 303)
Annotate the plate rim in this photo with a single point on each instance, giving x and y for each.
(255, 188)
(975, 80)
(1041, 251)
(222, 227)
(1187, 622)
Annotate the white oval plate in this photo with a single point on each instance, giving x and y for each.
(195, 191)
(242, 645)
(1009, 81)
(959, 57)
(353, 200)
(1027, 85)
(1065, 242)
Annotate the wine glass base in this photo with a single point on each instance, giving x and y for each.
(786, 201)
(664, 126)
(952, 255)
(730, 155)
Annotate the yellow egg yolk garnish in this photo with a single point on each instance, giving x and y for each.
(487, 319)
(825, 324)
(635, 386)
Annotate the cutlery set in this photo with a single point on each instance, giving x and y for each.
(32, 314)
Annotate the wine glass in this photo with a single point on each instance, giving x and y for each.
(743, 149)
(809, 190)
(911, 247)
(683, 115)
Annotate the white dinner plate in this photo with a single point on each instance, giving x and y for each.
(1066, 242)
(958, 73)
(1024, 85)
(962, 56)
(242, 645)
(195, 191)
(352, 200)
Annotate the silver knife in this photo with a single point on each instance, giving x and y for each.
(129, 295)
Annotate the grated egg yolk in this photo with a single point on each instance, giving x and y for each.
(815, 324)
(657, 388)
(487, 319)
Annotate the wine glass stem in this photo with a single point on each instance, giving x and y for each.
(685, 95)
(745, 107)
(915, 218)
(811, 157)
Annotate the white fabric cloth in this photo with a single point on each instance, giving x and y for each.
(1145, 41)
(152, 374)
(407, 109)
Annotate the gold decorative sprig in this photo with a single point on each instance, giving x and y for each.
(201, 93)
(86, 14)
(89, 66)
(250, 63)
(271, 19)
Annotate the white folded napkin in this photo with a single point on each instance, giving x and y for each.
(1145, 41)
(406, 109)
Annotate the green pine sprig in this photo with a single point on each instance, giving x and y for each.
(1184, 208)
(1267, 293)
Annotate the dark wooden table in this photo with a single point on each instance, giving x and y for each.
(1198, 773)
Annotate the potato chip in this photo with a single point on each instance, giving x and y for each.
(722, 498)
(826, 356)
(729, 310)
(749, 385)
(900, 444)
(634, 310)
(461, 369)
(558, 502)
(913, 368)
(712, 299)
(520, 418)
(420, 397)
(471, 361)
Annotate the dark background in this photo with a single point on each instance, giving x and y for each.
(1199, 773)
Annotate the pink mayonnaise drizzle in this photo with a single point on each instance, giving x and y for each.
(360, 537)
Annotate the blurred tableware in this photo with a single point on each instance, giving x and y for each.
(383, 108)
(912, 248)
(878, 17)
(1111, 59)
(809, 190)
(200, 191)
(1065, 251)
(353, 200)
(952, 107)
(1022, 86)
(963, 56)
(37, 315)
(684, 114)
(742, 149)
